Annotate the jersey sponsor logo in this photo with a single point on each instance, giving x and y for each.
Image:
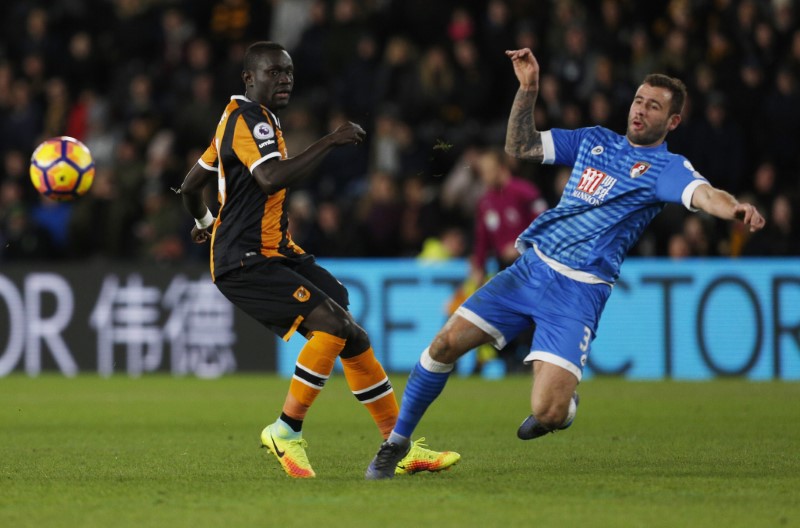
(263, 131)
(265, 143)
(639, 168)
(302, 294)
(594, 186)
(598, 150)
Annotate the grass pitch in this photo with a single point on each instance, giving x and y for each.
(161, 451)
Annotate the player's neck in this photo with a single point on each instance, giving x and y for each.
(650, 145)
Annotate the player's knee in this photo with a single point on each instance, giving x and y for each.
(357, 341)
(444, 348)
(331, 319)
(346, 328)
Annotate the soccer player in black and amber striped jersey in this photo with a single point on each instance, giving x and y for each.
(256, 264)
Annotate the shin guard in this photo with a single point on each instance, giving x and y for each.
(312, 370)
(371, 386)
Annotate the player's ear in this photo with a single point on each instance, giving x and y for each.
(247, 77)
(674, 121)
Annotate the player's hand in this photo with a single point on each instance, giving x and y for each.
(200, 236)
(348, 134)
(526, 68)
(750, 216)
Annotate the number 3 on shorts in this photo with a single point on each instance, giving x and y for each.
(587, 336)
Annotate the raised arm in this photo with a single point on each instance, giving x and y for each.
(721, 204)
(275, 175)
(522, 139)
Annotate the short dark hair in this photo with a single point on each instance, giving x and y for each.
(256, 50)
(675, 86)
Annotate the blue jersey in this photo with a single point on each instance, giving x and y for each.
(613, 193)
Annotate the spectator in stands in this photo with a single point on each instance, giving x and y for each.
(347, 25)
(159, 231)
(379, 213)
(574, 63)
(474, 82)
(721, 158)
(507, 206)
(22, 124)
(695, 233)
(332, 234)
(355, 87)
(462, 187)
(641, 59)
(310, 51)
(396, 73)
(419, 215)
(781, 121)
(765, 184)
(678, 247)
(781, 237)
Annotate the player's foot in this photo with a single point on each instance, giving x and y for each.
(421, 459)
(531, 428)
(385, 462)
(290, 453)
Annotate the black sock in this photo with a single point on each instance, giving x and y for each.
(294, 423)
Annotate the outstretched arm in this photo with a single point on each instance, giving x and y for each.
(522, 139)
(721, 204)
(275, 175)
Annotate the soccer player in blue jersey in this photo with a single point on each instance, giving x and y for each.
(570, 255)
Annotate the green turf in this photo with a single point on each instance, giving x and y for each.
(160, 451)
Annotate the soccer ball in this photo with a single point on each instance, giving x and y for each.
(62, 168)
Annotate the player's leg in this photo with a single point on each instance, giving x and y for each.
(371, 386)
(425, 383)
(554, 401)
(284, 301)
(328, 327)
(553, 397)
(485, 317)
(430, 374)
(364, 373)
(566, 318)
(369, 383)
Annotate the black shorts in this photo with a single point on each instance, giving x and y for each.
(280, 292)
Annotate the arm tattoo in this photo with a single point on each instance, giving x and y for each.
(522, 139)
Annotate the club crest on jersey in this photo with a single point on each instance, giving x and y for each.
(639, 168)
(302, 294)
(263, 131)
(594, 186)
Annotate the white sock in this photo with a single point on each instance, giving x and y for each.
(573, 410)
(285, 431)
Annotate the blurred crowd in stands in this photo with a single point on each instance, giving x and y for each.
(143, 84)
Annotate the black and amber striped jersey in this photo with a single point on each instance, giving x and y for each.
(249, 222)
